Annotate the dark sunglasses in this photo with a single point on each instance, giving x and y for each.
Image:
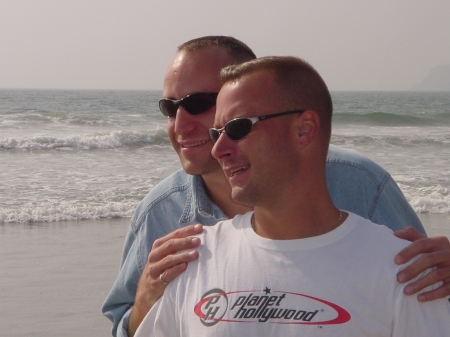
(194, 104)
(238, 128)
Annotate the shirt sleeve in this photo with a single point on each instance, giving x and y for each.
(118, 304)
(392, 209)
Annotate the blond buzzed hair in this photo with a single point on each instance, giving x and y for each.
(300, 85)
(237, 51)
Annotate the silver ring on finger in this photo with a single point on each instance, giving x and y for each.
(162, 280)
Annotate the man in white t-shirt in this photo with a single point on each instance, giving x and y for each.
(296, 265)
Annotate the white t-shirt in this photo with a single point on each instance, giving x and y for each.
(342, 283)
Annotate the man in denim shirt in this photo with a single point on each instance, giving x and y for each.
(200, 194)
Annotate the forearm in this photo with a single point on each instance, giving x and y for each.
(138, 312)
(136, 317)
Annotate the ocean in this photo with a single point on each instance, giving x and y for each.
(75, 155)
(74, 165)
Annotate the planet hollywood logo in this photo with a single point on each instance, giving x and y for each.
(269, 307)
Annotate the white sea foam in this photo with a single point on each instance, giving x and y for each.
(115, 139)
(89, 155)
(426, 200)
(66, 211)
(434, 199)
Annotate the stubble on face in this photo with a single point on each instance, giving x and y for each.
(267, 164)
(263, 153)
(190, 73)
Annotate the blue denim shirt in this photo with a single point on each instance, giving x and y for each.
(356, 184)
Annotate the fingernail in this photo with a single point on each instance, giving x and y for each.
(193, 253)
(197, 226)
(195, 240)
(401, 277)
(409, 290)
(421, 297)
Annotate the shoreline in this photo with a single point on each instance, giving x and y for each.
(54, 276)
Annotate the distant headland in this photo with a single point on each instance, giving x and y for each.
(438, 79)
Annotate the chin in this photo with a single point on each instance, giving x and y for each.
(240, 197)
(200, 168)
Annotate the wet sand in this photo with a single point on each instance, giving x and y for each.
(436, 224)
(54, 277)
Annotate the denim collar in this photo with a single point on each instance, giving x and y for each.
(199, 204)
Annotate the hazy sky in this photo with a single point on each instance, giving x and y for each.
(112, 44)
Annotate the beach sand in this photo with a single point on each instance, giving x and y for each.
(55, 276)
(436, 224)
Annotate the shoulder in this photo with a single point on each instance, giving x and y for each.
(355, 182)
(224, 234)
(376, 237)
(224, 230)
(176, 186)
(177, 181)
(359, 185)
(340, 159)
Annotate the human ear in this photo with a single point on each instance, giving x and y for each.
(307, 127)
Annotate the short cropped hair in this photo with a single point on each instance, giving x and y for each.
(300, 85)
(237, 50)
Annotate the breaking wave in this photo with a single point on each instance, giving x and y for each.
(112, 140)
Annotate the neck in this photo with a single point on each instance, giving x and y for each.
(219, 191)
(308, 212)
(272, 226)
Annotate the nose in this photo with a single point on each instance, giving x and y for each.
(214, 134)
(184, 121)
(223, 147)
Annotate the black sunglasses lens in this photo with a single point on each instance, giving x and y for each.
(238, 128)
(197, 103)
(168, 108)
(194, 104)
(214, 135)
(235, 129)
